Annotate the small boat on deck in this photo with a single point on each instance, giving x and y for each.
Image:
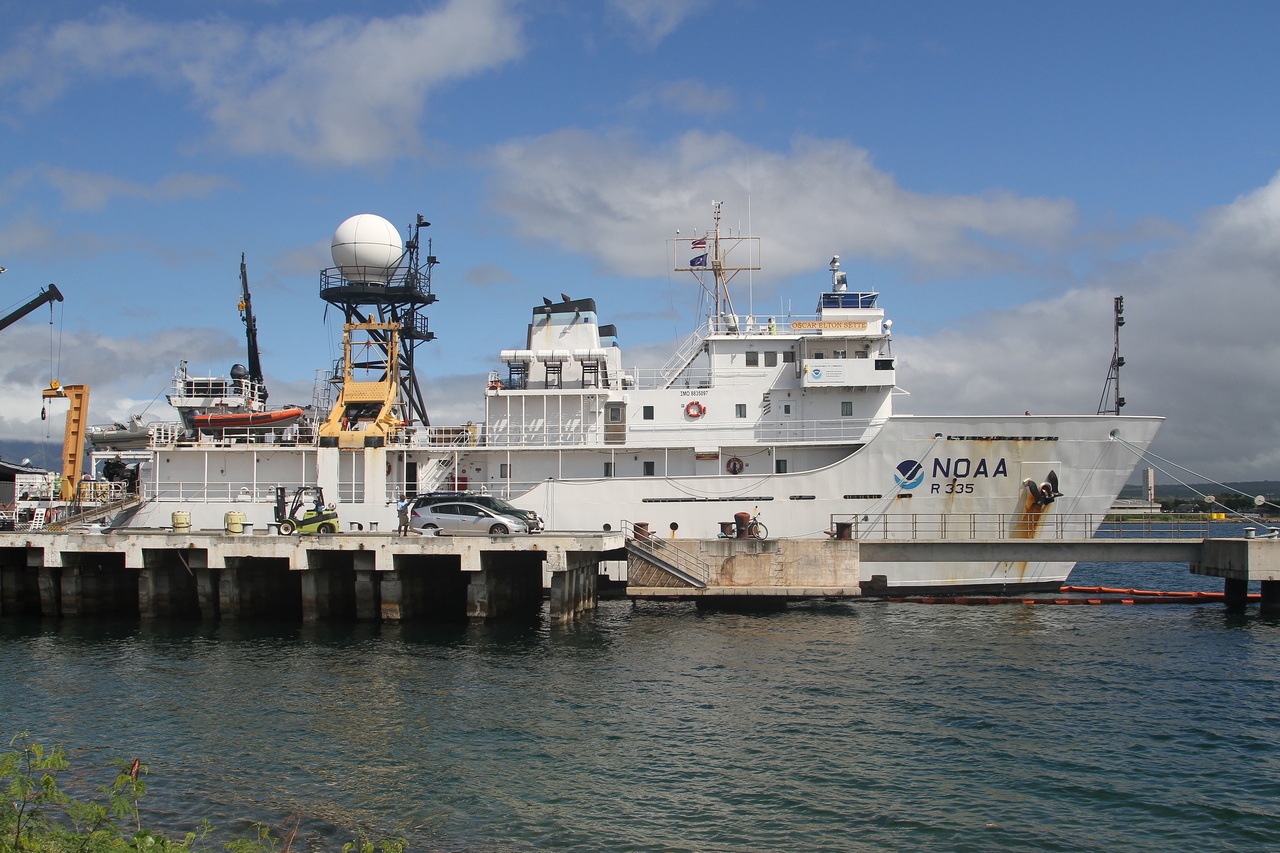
(134, 435)
(277, 419)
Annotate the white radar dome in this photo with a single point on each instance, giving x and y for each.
(367, 248)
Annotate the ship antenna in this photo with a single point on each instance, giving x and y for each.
(1112, 387)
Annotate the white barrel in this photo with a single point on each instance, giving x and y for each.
(233, 523)
(181, 522)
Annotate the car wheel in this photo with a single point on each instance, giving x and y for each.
(498, 530)
(429, 529)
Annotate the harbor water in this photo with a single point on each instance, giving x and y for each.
(831, 726)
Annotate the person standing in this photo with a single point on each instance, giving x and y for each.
(402, 509)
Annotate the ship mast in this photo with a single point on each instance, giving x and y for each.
(712, 252)
(1112, 386)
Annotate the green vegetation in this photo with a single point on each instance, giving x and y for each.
(39, 815)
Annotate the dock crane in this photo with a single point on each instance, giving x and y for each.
(48, 294)
(77, 395)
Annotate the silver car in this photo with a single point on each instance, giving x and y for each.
(463, 517)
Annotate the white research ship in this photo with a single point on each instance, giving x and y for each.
(787, 416)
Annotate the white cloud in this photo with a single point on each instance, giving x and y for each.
(342, 90)
(90, 191)
(123, 374)
(687, 96)
(1199, 342)
(612, 199)
(654, 20)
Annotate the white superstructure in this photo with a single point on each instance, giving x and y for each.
(790, 417)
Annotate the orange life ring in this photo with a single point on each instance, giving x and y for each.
(695, 409)
(734, 466)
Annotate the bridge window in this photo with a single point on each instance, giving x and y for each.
(789, 356)
(648, 413)
(740, 410)
(770, 359)
(753, 358)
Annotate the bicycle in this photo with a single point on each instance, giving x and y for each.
(756, 528)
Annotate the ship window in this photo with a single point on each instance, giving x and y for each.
(648, 469)
(608, 469)
(860, 353)
(770, 359)
(786, 409)
(818, 355)
(504, 471)
(648, 413)
(846, 408)
(615, 414)
(838, 353)
(779, 466)
(789, 356)
(753, 358)
(740, 410)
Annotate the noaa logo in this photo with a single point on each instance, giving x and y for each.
(910, 474)
(816, 373)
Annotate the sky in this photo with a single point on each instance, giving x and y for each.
(998, 171)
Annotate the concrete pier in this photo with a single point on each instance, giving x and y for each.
(1238, 561)
(345, 577)
(846, 568)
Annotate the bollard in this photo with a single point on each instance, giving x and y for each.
(182, 522)
(641, 530)
(741, 520)
(726, 530)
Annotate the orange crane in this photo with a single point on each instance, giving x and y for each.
(78, 395)
(74, 436)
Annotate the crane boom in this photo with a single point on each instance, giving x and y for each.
(250, 325)
(49, 294)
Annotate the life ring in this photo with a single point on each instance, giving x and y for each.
(734, 466)
(695, 409)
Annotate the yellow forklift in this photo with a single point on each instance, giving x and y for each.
(307, 513)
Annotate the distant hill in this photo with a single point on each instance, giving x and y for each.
(1268, 488)
(43, 454)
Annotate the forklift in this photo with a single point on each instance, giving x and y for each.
(307, 513)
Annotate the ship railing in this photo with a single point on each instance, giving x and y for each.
(168, 435)
(217, 387)
(828, 431)
(465, 435)
(1017, 525)
(217, 493)
(666, 551)
(163, 434)
(684, 355)
(98, 492)
(758, 325)
(812, 432)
